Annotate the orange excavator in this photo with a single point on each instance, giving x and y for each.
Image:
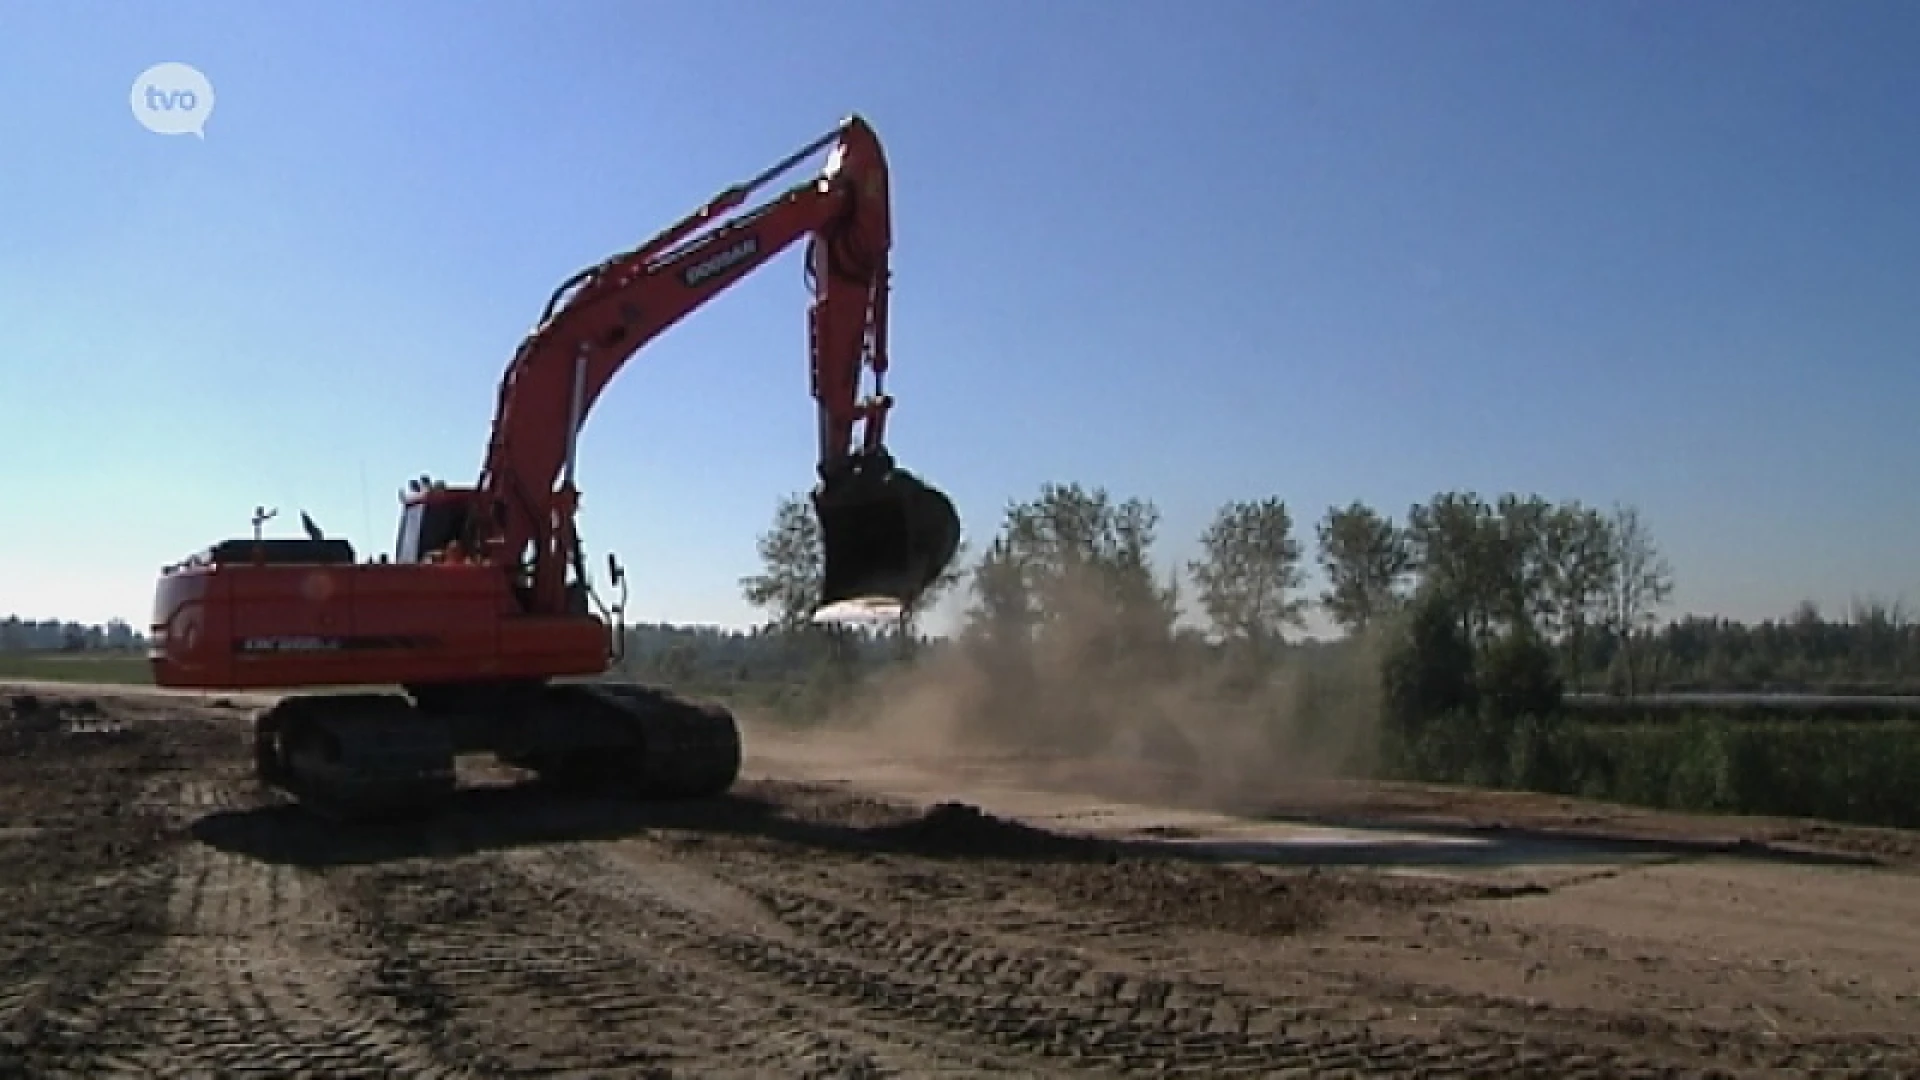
(484, 621)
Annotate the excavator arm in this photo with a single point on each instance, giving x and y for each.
(887, 535)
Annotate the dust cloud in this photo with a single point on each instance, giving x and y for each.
(1095, 703)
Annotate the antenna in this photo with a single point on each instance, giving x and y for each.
(261, 515)
(366, 514)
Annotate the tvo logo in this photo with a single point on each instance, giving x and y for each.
(173, 99)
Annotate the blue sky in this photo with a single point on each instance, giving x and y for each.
(1659, 254)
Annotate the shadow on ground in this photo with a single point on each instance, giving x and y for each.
(497, 818)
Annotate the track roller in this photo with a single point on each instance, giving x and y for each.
(353, 757)
(636, 741)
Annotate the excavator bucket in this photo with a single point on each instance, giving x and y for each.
(887, 535)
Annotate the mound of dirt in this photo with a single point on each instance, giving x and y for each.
(955, 828)
(34, 714)
(30, 724)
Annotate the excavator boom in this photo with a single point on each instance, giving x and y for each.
(600, 317)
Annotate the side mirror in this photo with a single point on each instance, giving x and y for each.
(614, 573)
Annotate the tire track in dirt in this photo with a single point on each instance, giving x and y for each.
(1664, 1020)
(54, 970)
(1230, 926)
(610, 977)
(253, 976)
(1089, 1007)
(86, 872)
(1038, 1007)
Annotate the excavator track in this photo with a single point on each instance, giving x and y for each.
(636, 741)
(354, 757)
(374, 757)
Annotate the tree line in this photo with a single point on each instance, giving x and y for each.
(1463, 622)
(1581, 583)
(1872, 648)
(1584, 582)
(1507, 601)
(55, 635)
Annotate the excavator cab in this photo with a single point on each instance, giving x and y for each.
(886, 536)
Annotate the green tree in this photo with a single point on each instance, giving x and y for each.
(792, 565)
(1366, 559)
(1516, 563)
(1088, 557)
(1641, 581)
(1427, 672)
(1517, 678)
(1579, 556)
(1074, 563)
(1249, 575)
(1002, 610)
(906, 626)
(678, 663)
(1879, 626)
(1520, 564)
(1455, 540)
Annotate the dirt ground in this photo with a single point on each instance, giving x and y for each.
(856, 910)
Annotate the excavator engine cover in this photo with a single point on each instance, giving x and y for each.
(886, 535)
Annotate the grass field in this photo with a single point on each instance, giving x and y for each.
(86, 667)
